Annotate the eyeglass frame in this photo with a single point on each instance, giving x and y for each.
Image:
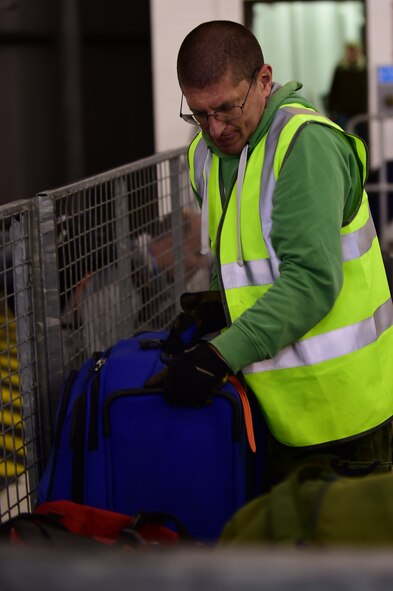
(191, 119)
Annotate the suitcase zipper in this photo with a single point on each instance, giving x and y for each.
(92, 441)
(63, 408)
(59, 427)
(78, 427)
(70, 380)
(68, 385)
(78, 430)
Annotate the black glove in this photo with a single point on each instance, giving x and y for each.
(203, 313)
(182, 333)
(206, 307)
(194, 375)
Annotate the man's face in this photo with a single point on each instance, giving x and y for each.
(230, 137)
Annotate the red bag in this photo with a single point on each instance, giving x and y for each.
(65, 523)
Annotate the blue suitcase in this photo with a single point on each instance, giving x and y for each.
(120, 446)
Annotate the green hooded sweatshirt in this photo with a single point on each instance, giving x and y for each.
(318, 190)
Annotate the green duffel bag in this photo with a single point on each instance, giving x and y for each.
(316, 506)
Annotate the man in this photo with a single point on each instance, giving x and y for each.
(297, 262)
(347, 96)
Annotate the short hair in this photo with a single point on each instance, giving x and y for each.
(215, 48)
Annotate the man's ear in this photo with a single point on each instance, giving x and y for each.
(265, 75)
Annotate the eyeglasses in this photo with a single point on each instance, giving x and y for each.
(224, 114)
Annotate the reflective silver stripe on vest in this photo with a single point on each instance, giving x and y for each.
(262, 271)
(258, 272)
(354, 245)
(268, 184)
(336, 343)
(200, 156)
(300, 111)
(357, 243)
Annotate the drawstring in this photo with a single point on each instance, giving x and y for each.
(205, 242)
(239, 187)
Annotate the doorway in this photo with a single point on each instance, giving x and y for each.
(304, 40)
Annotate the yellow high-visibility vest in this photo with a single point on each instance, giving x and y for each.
(336, 382)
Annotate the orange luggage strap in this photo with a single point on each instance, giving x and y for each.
(246, 411)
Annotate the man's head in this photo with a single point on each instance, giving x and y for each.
(225, 82)
(353, 54)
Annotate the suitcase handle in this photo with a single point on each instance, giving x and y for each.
(243, 399)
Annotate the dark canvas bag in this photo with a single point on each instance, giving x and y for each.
(317, 506)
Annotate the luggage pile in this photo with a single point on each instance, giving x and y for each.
(120, 447)
(128, 470)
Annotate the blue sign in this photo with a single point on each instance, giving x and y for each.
(385, 74)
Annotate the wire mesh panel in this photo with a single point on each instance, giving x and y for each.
(81, 267)
(126, 244)
(20, 436)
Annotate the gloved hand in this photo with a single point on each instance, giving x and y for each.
(203, 313)
(194, 375)
(182, 333)
(206, 307)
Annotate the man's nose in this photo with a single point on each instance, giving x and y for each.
(216, 126)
